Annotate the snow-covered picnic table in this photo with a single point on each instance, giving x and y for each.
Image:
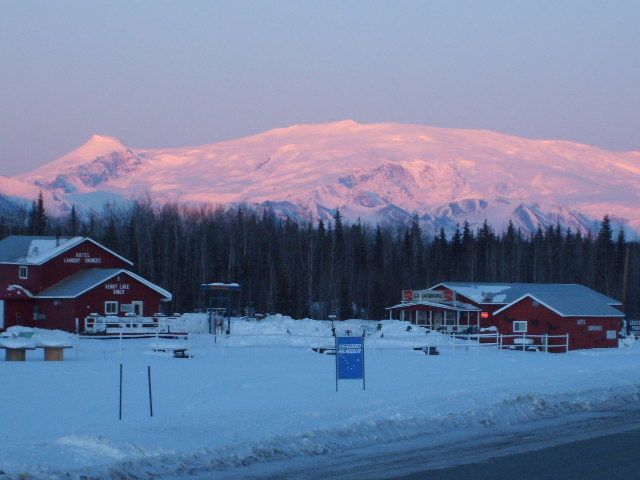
(53, 347)
(179, 348)
(16, 348)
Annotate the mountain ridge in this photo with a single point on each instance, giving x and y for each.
(385, 172)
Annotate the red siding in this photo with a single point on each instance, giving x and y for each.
(18, 312)
(61, 314)
(82, 257)
(127, 290)
(584, 332)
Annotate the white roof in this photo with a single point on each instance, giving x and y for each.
(36, 250)
(459, 306)
(85, 280)
(571, 305)
(498, 293)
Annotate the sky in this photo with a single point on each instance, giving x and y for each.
(158, 73)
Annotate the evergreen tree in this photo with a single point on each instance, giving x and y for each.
(37, 217)
(605, 256)
(72, 225)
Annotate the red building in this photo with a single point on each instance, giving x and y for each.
(544, 317)
(55, 282)
(539, 313)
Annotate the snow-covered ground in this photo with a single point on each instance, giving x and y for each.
(262, 395)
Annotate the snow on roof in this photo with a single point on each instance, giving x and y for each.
(36, 250)
(505, 293)
(83, 281)
(459, 306)
(571, 305)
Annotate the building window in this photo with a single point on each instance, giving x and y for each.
(612, 334)
(111, 308)
(519, 326)
(23, 272)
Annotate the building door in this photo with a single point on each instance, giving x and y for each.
(437, 319)
(138, 307)
(1, 314)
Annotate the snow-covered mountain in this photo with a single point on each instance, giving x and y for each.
(375, 172)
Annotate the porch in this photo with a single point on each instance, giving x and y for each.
(448, 318)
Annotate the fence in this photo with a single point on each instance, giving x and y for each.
(132, 325)
(528, 342)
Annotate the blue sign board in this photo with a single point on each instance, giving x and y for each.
(349, 358)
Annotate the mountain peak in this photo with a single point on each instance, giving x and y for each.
(97, 146)
(376, 172)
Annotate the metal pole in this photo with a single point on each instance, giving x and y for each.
(150, 396)
(120, 411)
(363, 381)
(336, 344)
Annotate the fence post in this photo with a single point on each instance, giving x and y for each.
(120, 396)
(546, 343)
(567, 344)
(150, 394)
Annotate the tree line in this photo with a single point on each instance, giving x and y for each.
(351, 270)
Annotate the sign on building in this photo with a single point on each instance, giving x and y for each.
(437, 296)
(407, 295)
(429, 295)
(349, 359)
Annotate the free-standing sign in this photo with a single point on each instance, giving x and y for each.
(349, 359)
(633, 327)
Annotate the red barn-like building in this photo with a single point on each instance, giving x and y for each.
(54, 282)
(590, 323)
(529, 309)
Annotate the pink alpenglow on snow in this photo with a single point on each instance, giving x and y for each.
(374, 172)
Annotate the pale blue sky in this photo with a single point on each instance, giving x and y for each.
(176, 73)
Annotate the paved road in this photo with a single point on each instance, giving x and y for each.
(610, 457)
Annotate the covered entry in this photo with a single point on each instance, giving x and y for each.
(438, 316)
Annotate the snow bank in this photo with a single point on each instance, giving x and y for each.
(262, 394)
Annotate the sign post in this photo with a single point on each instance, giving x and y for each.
(350, 359)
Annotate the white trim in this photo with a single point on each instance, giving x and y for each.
(25, 269)
(520, 324)
(112, 303)
(401, 306)
(612, 303)
(138, 303)
(64, 247)
(152, 286)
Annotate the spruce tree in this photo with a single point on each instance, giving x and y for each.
(37, 217)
